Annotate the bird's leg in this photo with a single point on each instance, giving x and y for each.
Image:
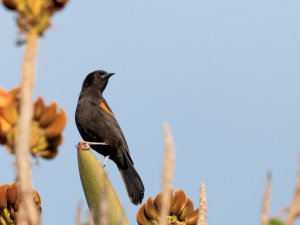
(88, 143)
(105, 159)
(95, 143)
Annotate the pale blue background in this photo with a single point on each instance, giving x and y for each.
(224, 74)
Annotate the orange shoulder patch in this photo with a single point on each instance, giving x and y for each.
(105, 108)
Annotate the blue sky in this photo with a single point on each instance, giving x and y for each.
(224, 74)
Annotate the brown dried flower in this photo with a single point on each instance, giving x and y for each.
(9, 203)
(34, 14)
(181, 211)
(46, 128)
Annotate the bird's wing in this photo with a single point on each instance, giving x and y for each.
(109, 118)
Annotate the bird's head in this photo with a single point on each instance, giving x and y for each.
(97, 79)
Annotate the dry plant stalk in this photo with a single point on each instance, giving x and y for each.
(27, 212)
(294, 208)
(202, 219)
(168, 174)
(78, 214)
(266, 204)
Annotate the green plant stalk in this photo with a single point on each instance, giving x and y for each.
(98, 189)
(275, 222)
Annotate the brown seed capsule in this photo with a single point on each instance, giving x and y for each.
(192, 219)
(141, 217)
(38, 108)
(38, 201)
(3, 199)
(48, 115)
(150, 210)
(188, 209)
(13, 196)
(179, 202)
(59, 4)
(10, 4)
(57, 124)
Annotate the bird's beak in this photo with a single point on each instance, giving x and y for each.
(108, 75)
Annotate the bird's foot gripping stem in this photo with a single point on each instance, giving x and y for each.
(86, 145)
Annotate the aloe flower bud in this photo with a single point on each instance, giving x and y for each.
(101, 197)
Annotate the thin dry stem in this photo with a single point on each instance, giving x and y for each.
(78, 214)
(281, 213)
(266, 204)
(27, 212)
(294, 208)
(168, 174)
(202, 219)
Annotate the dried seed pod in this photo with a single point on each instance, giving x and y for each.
(4, 126)
(38, 108)
(48, 153)
(59, 4)
(10, 4)
(192, 219)
(9, 113)
(48, 115)
(55, 141)
(3, 199)
(13, 196)
(179, 202)
(188, 209)
(141, 217)
(57, 125)
(151, 210)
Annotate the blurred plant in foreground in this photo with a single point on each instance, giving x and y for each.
(181, 211)
(46, 127)
(275, 222)
(167, 209)
(9, 203)
(33, 18)
(34, 13)
(285, 216)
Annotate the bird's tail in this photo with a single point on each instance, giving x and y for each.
(133, 183)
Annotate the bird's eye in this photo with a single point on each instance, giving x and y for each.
(99, 75)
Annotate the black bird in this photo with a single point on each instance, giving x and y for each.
(96, 123)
